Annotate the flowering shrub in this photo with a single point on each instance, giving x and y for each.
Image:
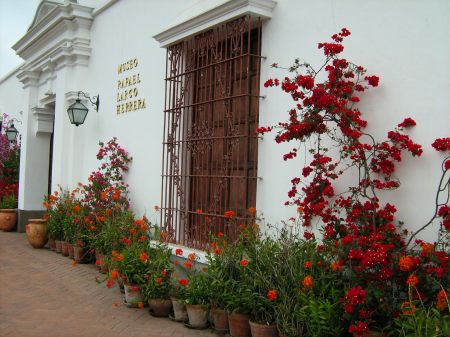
(367, 248)
(9, 170)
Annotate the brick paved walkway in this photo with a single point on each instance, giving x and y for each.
(42, 295)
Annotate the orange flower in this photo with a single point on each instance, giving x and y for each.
(139, 222)
(199, 211)
(217, 251)
(108, 212)
(113, 274)
(133, 231)
(158, 280)
(188, 265)
(220, 235)
(46, 204)
(336, 265)
(412, 280)
(164, 273)
(103, 196)
(272, 295)
(442, 300)
(406, 263)
(300, 209)
(144, 227)
(179, 251)
(140, 305)
(76, 208)
(251, 211)
(142, 238)
(229, 214)
(308, 264)
(308, 281)
(74, 263)
(191, 257)
(143, 257)
(183, 282)
(408, 308)
(427, 248)
(156, 208)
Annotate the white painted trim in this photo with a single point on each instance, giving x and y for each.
(104, 7)
(11, 73)
(186, 251)
(222, 13)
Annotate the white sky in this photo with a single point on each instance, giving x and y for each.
(15, 18)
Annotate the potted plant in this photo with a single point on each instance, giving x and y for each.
(133, 262)
(158, 286)
(197, 299)
(36, 231)
(8, 215)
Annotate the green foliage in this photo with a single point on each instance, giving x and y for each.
(113, 230)
(160, 270)
(8, 202)
(198, 290)
(424, 322)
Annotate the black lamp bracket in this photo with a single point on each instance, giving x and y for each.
(95, 102)
(11, 121)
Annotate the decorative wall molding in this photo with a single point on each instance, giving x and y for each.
(222, 12)
(44, 119)
(60, 33)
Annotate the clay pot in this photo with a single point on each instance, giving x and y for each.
(58, 246)
(179, 310)
(51, 243)
(133, 295)
(80, 254)
(160, 307)
(36, 230)
(239, 325)
(263, 330)
(64, 248)
(71, 250)
(8, 219)
(219, 319)
(198, 315)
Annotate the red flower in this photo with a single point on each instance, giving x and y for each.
(110, 283)
(372, 80)
(407, 122)
(158, 280)
(229, 214)
(188, 264)
(406, 263)
(360, 329)
(183, 282)
(442, 144)
(179, 251)
(217, 251)
(243, 262)
(356, 295)
(308, 264)
(272, 295)
(164, 273)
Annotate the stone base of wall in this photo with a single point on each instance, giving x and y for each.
(24, 215)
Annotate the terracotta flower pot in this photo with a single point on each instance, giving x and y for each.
(239, 325)
(36, 230)
(263, 330)
(58, 246)
(8, 219)
(80, 254)
(179, 310)
(160, 307)
(133, 295)
(51, 243)
(64, 248)
(71, 250)
(198, 315)
(219, 319)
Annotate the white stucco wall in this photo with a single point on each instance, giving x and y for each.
(11, 97)
(404, 42)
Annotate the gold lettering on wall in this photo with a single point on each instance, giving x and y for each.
(127, 88)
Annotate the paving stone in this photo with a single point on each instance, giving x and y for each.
(43, 295)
